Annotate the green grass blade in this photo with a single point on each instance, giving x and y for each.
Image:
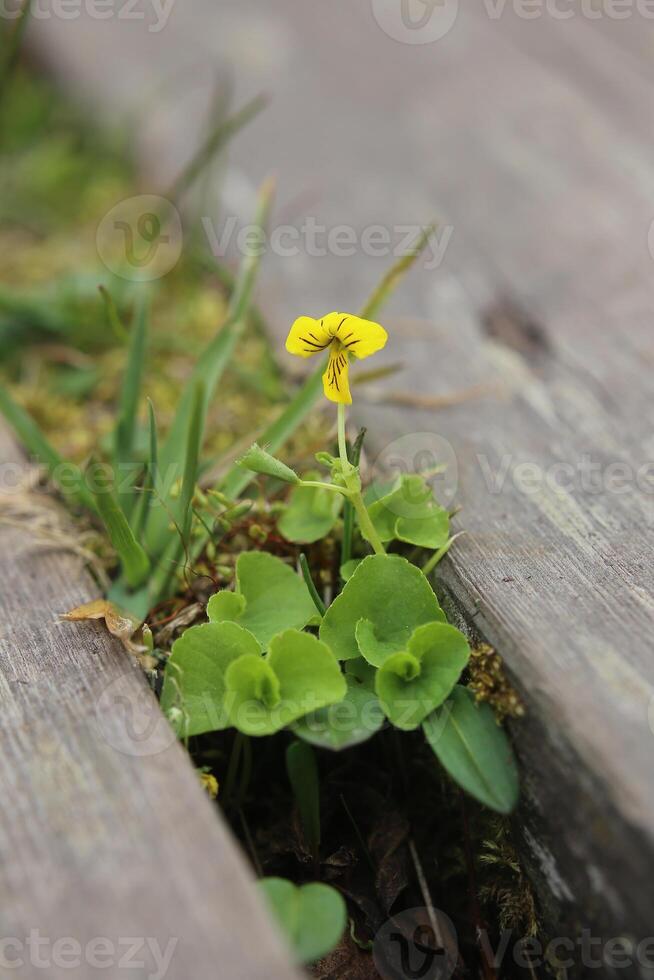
(175, 548)
(215, 357)
(207, 373)
(113, 317)
(67, 476)
(303, 776)
(129, 397)
(192, 462)
(215, 141)
(397, 271)
(149, 484)
(135, 564)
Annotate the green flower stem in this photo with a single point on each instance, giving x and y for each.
(366, 525)
(324, 486)
(342, 442)
(353, 485)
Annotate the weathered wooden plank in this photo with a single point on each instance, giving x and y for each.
(111, 855)
(532, 140)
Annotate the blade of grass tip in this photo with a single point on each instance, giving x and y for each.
(213, 360)
(255, 317)
(215, 141)
(14, 43)
(135, 564)
(176, 548)
(397, 271)
(68, 477)
(125, 431)
(118, 328)
(217, 114)
(209, 369)
(150, 482)
(348, 509)
(299, 407)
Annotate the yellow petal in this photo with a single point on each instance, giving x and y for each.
(334, 380)
(360, 337)
(308, 337)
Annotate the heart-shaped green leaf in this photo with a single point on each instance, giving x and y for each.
(312, 917)
(299, 675)
(412, 683)
(393, 596)
(349, 722)
(476, 752)
(194, 681)
(310, 513)
(225, 607)
(411, 513)
(270, 597)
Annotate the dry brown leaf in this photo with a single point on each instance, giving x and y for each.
(119, 623)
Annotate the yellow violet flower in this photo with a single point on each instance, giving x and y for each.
(345, 335)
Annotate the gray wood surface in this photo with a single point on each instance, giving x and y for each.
(113, 861)
(532, 139)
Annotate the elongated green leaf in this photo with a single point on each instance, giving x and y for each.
(134, 561)
(476, 752)
(395, 274)
(208, 371)
(215, 141)
(303, 776)
(150, 482)
(131, 388)
(67, 476)
(192, 461)
(182, 510)
(312, 917)
(115, 322)
(126, 468)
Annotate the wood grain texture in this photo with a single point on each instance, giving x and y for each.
(532, 141)
(105, 833)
